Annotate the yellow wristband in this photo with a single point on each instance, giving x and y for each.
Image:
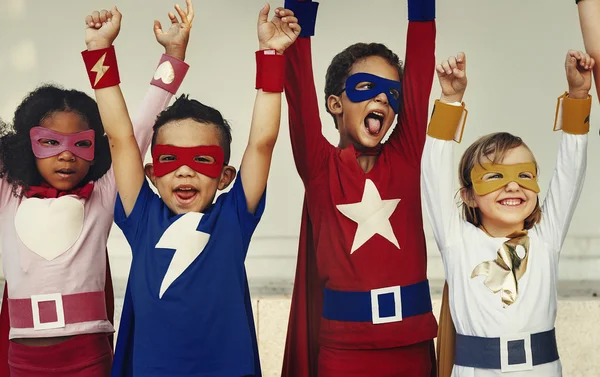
(573, 115)
(447, 121)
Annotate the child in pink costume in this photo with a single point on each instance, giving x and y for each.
(57, 196)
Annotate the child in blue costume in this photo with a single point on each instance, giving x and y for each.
(188, 309)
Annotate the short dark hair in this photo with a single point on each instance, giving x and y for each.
(16, 155)
(339, 69)
(185, 108)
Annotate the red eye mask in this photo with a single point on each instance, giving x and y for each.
(205, 159)
(65, 142)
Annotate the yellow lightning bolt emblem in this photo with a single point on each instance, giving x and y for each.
(100, 69)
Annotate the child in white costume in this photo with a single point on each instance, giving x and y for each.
(501, 257)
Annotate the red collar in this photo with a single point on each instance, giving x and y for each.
(375, 151)
(46, 191)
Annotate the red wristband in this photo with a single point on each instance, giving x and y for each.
(169, 74)
(102, 67)
(270, 71)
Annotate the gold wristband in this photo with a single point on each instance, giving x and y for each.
(447, 121)
(573, 115)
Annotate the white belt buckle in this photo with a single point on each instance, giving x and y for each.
(35, 309)
(504, 365)
(375, 315)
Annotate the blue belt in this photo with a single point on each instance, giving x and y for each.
(508, 353)
(383, 305)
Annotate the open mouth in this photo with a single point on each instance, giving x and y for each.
(374, 122)
(511, 202)
(185, 193)
(65, 173)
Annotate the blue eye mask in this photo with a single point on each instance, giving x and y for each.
(358, 93)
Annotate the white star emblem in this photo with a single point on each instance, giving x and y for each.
(100, 69)
(372, 216)
(188, 244)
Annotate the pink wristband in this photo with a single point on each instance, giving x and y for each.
(170, 73)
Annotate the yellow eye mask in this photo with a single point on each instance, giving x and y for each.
(485, 181)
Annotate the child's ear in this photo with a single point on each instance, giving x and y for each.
(334, 104)
(149, 170)
(227, 176)
(467, 197)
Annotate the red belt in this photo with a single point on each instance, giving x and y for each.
(54, 310)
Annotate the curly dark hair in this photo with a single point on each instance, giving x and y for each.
(339, 69)
(16, 156)
(185, 108)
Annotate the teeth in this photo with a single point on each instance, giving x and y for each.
(377, 113)
(511, 202)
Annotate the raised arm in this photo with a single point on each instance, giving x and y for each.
(569, 174)
(437, 170)
(409, 135)
(168, 76)
(308, 142)
(102, 28)
(274, 37)
(589, 17)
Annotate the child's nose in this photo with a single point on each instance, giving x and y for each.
(185, 171)
(66, 156)
(381, 97)
(512, 186)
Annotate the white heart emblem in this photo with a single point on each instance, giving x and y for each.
(49, 227)
(165, 72)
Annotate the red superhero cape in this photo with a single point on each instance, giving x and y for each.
(307, 306)
(5, 320)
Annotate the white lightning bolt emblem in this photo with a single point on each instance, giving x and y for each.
(187, 242)
(100, 69)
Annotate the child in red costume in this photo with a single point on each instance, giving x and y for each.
(361, 303)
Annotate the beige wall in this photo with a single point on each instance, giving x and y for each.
(515, 70)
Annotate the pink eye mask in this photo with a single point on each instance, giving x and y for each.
(65, 142)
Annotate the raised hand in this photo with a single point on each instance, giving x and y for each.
(175, 40)
(452, 74)
(279, 33)
(578, 66)
(102, 28)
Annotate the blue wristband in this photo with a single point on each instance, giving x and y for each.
(421, 10)
(306, 13)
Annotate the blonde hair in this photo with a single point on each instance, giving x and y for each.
(496, 145)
